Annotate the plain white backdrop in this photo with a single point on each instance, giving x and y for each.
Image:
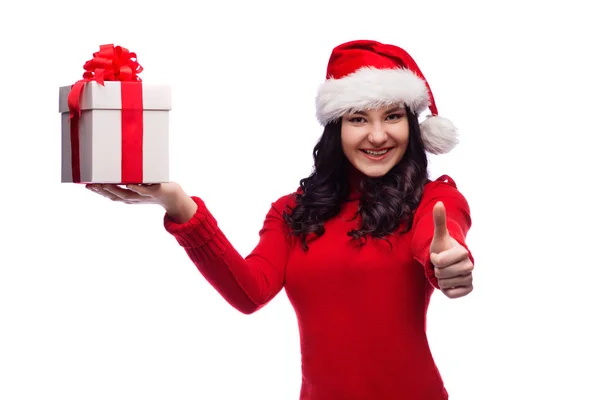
(97, 301)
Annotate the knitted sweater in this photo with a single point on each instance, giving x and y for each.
(361, 310)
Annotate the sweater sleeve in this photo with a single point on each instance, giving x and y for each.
(246, 283)
(458, 221)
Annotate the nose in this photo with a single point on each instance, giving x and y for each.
(377, 137)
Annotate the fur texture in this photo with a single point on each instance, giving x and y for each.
(439, 135)
(370, 88)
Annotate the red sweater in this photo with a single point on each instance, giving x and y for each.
(361, 310)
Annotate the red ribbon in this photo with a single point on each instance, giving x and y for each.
(113, 63)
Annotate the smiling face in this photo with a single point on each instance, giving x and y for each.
(374, 141)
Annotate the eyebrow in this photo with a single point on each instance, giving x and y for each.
(393, 110)
(390, 111)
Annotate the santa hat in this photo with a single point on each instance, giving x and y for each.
(364, 74)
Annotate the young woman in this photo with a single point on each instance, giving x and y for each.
(363, 242)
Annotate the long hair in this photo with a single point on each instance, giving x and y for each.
(386, 202)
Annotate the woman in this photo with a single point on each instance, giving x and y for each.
(361, 245)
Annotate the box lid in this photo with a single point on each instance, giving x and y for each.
(108, 97)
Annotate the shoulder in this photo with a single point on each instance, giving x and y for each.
(287, 202)
(443, 189)
(444, 185)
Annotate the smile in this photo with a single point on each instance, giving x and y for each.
(376, 154)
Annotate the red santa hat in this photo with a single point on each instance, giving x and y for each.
(365, 74)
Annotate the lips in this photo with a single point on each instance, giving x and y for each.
(376, 152)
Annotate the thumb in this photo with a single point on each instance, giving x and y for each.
(440, 230)
(441, 237)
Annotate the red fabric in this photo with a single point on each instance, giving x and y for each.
(361, 311)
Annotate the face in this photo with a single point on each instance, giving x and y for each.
(374, 141)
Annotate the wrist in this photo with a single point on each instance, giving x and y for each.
(181, 208)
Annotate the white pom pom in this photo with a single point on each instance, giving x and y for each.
(439, 135)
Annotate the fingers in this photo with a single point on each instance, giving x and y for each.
(116, 193)
(144, 189)
(126, 195)
(462, 267)
(449, 257)
(456, 281)
(455, 293)
(99, 189)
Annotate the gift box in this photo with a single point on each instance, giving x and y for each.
(115, 129)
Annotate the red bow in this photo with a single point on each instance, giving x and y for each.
(111, 63)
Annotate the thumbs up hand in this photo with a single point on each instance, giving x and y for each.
(451, 261)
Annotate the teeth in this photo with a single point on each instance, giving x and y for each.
(376, 153)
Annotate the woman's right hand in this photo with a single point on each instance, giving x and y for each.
(178, 205)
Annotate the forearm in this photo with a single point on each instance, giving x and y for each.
(216, 269)
(246, 283)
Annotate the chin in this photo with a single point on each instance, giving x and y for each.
(374, 172)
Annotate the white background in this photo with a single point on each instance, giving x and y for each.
(97, 301)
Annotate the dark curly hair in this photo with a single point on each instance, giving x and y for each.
(386, 202)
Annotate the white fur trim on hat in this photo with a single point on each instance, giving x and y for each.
(370, 88)
(439, 135)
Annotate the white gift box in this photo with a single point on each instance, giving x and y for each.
(106, 152)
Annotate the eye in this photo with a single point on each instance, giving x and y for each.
(395, 117)
(357, 120)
